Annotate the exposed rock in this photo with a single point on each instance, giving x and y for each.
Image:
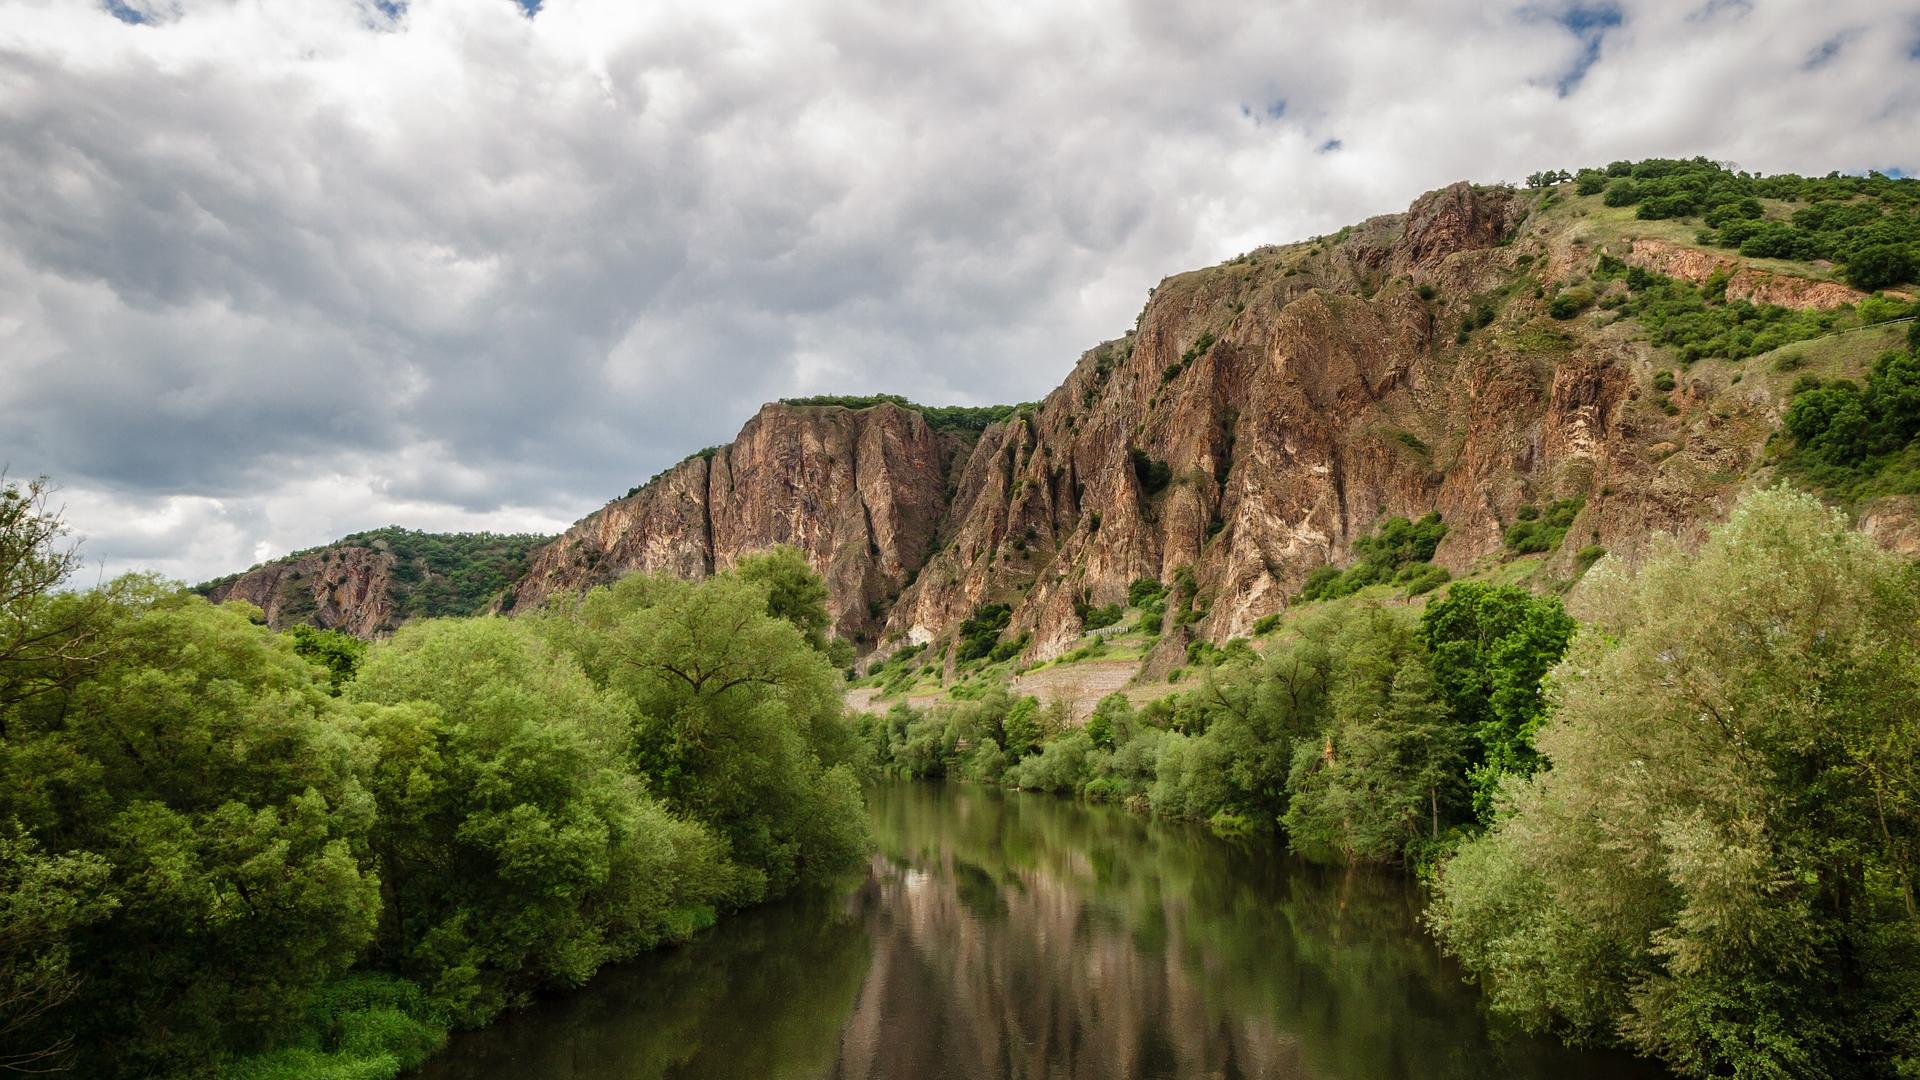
(1744, 282)
(859, 491)
(340, 588)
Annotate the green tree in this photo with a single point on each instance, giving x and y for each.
(1489, 648)
(48, 640)
(1717, 868)
(1387, 770)
(1876, 267)
(338, 654)
(735, 720)
(794, 592)
(518, 849)
(45, 900)
(202, 762)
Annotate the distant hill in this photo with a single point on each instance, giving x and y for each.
(370, 582)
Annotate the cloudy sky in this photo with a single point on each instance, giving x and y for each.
(275, 270)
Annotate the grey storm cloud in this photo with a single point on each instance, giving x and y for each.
(274, 270)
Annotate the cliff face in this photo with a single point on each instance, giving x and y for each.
(346, 588)
(1261, 416)
(1296, 396)
(861, 492)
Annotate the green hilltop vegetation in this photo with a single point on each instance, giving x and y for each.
(967, 419)
(435, 574)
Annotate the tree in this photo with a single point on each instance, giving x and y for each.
(338, 654)
(1718, 866)
(1490, 646)
(48, 640)
(794, 592)
(734, 719)
(1387, 769)
(518, 851)
(201, 763)
(45, 900)
(1880, 265)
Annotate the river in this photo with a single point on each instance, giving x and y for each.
(1003, 935)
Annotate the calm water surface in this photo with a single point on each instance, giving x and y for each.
(1001, 935)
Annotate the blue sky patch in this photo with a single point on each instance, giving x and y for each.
(1330, 146)
(124, 13)
(1589, 23)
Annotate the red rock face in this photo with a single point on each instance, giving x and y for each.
(1296, 395)
(341, 588)
(859, 492)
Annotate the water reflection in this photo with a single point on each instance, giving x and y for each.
(1025, 936)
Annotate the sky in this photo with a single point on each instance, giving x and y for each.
(273, 271)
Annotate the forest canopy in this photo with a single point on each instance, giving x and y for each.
(226, 851)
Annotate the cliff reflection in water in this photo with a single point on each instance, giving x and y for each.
(1023, 936)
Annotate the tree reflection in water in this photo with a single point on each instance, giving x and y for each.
(1000, 935)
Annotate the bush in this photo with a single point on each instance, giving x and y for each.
(981, 631)
(1881, 265)
(1570, 302)
(1622, 192)
(1537, 531)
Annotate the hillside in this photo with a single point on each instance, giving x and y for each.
(370, 582)
(1552, 370)
(1625, 355)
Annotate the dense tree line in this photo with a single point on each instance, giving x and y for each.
(1333, 732)
(227, 851)
(1689, 826)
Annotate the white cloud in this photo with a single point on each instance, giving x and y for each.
(271, 270)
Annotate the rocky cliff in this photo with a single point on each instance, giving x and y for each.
(861, 492)
(1472, 357)
(1261, 416)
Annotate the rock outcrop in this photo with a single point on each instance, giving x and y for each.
(861, 492)
(339, 588)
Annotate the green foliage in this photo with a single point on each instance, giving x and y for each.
(1718, 868)
(1866, 223)
(338, 654)
(1538, 530)
(362, 1027)
(1570, 302)
(1489, 647)
(1152, 473)
(794, 592)
(981, 631)
(502, 766)
(1663, 380)
(1397, 551)
(209, 832)
(733, 719)
(1697, 323)
(1856, 441)
(1387, 775)
(1098, 618)
(198, 775)
(966, 419)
